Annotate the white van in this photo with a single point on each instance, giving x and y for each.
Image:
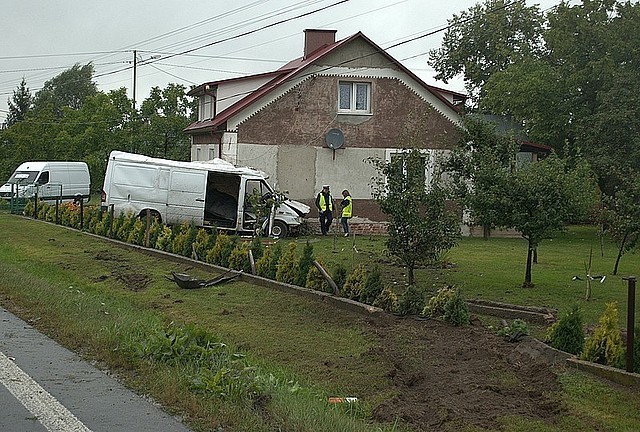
(209, 194)
(65, 181)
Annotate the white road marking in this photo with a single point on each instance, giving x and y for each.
(51, 413)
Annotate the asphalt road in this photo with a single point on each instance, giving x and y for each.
(45, 388)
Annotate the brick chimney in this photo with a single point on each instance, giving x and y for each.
(315, 39)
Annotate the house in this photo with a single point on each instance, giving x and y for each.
(317, 119)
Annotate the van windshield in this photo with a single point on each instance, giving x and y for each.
(26, 177)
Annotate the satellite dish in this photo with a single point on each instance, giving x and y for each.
(334, 139)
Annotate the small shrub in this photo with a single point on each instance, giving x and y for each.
(163, 242)
(604, 345)
(435, 308)
(515, 331)
(262, 264)
(387, 300)
(257, 248)
(278, 251)
(179, 243)
(29, 209)
(221, 250)
(354, 284)
(189, 238)
(154, 233)
(411, 301)
(339, 276)
(373, 286)
(316, 281)
(456, 311)
(202, 244)
(125, 226)
(288, 265)
(239, 257)
(304, 264)
(567, 334)
(137, 233)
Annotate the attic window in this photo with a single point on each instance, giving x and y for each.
(354, 97)
(206, 107)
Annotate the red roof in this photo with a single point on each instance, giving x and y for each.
(290, 70)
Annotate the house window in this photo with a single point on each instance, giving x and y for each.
(206, 111)
(354, 97)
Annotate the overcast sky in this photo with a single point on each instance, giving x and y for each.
(41, 38)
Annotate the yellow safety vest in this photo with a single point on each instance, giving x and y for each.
(323, 203)
(348, 209)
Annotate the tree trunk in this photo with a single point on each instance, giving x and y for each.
(527, 275)
(535, 256)
(410, 276)
(620, 253)
(486, 232)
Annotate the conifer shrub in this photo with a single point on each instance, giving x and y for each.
(288, 265)
(387, 300)
(50, 213)
(163, 242)
(354, 284)
(179, 241)
(411, 302)
(137, 233)
(315, 280)
(239, 257)
(456, 310)
(339, 275)
(29, 209)
(257, 248)
(435, 308)
(304, 264)
(278, 251)
(203, 242)
(262, 263)
(125, 226)
(514, 331)
(154, 233)
(604, 345)
(567, 334)
(221, 250)
(373, 286)
(190, 237)
(42, 211)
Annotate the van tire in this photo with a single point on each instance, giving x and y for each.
(279, 229)
(155, 216)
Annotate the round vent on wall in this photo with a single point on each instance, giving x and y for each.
(334, 139)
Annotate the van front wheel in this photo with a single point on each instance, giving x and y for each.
(279, 229)
(155, 216)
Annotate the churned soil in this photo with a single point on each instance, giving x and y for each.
(445, 377)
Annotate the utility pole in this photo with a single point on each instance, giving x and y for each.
(135, 63)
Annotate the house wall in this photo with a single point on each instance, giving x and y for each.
(232, 92)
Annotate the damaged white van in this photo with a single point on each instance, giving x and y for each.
(64, 181)
(209, 194)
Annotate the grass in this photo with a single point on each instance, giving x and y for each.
(82, 291)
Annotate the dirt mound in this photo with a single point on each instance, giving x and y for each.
(447, 377)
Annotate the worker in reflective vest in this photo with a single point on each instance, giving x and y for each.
(324, 203)
(347, 211)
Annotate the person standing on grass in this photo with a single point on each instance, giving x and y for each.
(324, 202)
(347, 211)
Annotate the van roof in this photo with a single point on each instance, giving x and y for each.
(39, 165)
(216, 164)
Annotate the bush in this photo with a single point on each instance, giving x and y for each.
(387, 300)
(221, 250)
(354, 284)
(373, 286)
(288, 265)
(305, 264)
(137, 233)
(239, 257)
(604, 345)
(316, 281)
(515, 331)
(435, 308)
(456, 311)
(203, 243)
(567, 334)
(163, 242)
(339, 276)
(266, 265)
(257, 248)
(411, 301)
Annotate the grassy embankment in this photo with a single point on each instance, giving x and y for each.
(78, 289)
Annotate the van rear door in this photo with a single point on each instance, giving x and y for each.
(185, 200)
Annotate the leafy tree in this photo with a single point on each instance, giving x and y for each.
(544, 197)
(19, 104)
(485, 39)
(480, 168)
(420, 225)
(68, 89)
(621, 215)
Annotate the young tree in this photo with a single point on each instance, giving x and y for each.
(543, 197)
(19, 104)
(621, 215)
(420, 225)
(68, 89)
(480, 168)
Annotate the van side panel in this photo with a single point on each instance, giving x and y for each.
(134, 188)
(185, 200)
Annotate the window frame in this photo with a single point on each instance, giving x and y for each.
(353, 97)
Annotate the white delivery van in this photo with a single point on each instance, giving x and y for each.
(209, 194)
(66, 181)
